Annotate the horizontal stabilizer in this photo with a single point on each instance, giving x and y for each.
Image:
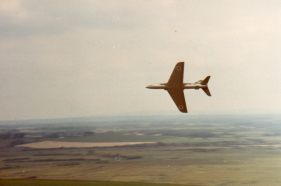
(206, 90)
(205, 81)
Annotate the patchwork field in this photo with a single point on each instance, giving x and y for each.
(247, 153)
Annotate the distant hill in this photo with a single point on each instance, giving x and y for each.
(174, 117)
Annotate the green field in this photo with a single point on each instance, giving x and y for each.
(246, 152)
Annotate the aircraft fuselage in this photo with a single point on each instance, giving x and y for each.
(184, 86)
(175, 86)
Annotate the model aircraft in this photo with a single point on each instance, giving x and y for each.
(175, 86)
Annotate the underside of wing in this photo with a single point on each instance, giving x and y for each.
(176, 78)
(178, 97)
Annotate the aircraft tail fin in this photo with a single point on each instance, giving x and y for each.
(207, 91)
(205, 81)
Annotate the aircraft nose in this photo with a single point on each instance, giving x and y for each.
(149, 86)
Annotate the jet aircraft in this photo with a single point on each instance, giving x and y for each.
(175, 86)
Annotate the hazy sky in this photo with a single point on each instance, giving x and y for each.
(86, 58)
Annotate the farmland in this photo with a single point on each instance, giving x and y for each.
(195, 151)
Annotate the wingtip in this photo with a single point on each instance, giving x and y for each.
(184, 111)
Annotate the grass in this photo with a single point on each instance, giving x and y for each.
(204, 165)
(76, 183)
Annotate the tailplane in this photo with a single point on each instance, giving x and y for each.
(207, 91)
(205, 82)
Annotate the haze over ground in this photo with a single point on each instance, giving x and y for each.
(89, 58)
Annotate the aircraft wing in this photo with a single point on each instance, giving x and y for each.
(178, 97)
(176, 78)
